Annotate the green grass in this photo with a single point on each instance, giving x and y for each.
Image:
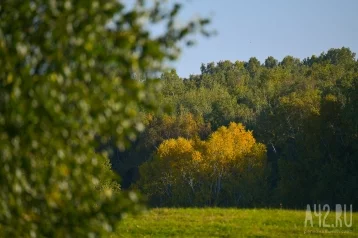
(216, 222)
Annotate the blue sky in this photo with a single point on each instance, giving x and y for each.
(263, 28)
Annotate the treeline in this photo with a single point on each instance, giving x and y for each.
(301, 118)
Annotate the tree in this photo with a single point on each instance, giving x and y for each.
(69, 73)
(228, 169)
(253, 66)
(172, 84)
(271, 62)
(290, 62)
(158, 129)
(339, 56)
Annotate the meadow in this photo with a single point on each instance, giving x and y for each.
(220, 222)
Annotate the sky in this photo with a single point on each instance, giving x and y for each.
(262, 28)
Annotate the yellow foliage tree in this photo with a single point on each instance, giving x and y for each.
(227, 148)
(229, 143)
(195, 172)
(179, 153)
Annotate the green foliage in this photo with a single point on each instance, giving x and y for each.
(69, 72)
(271, 62)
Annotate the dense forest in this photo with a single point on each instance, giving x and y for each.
(251, 134)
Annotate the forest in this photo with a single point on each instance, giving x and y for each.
(251, 134)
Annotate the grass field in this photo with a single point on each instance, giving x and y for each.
(216, 222)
